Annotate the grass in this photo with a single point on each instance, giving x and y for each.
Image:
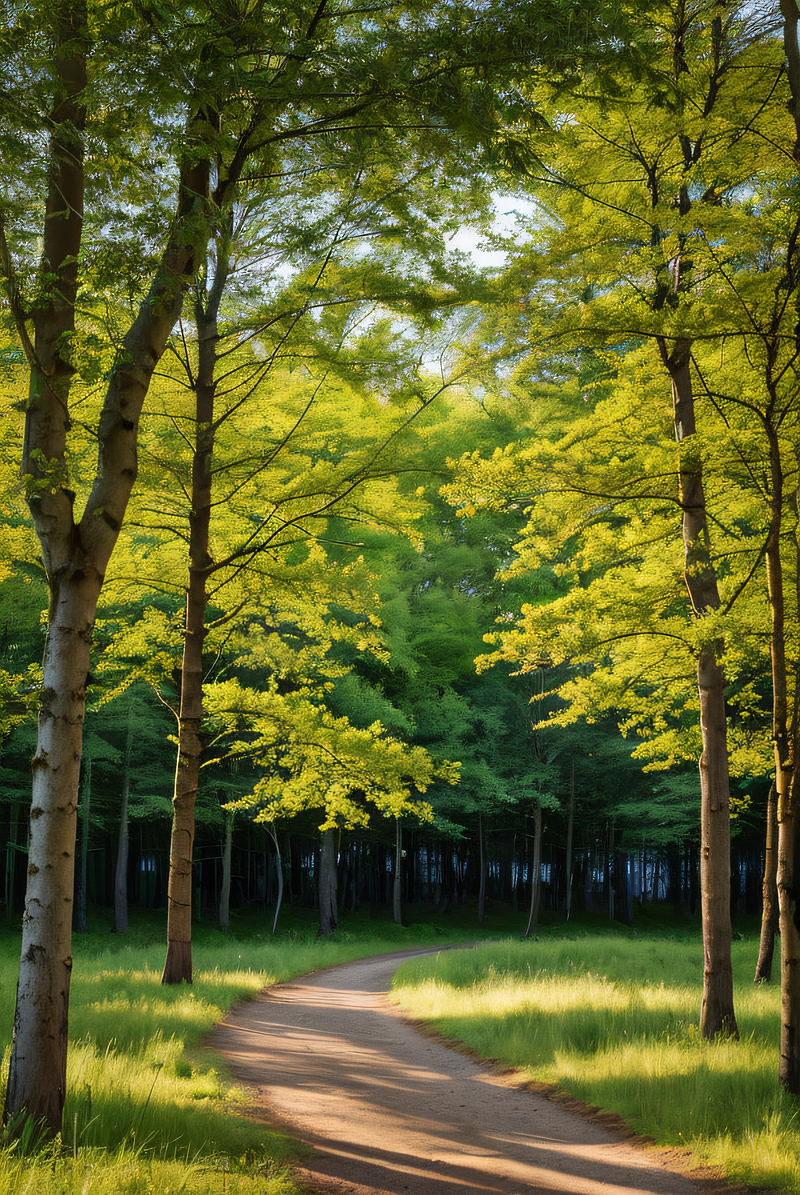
(148, 1110)
(612, 1019)
(607, 1014)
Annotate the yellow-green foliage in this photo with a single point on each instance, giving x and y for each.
(614, 1021)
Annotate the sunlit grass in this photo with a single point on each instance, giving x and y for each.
(614, 1022)
(149, 1109)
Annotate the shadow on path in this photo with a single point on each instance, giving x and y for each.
(392, 1112)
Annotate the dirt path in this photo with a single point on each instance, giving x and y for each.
(390, 1111)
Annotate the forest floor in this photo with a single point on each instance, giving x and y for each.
(387, 1108)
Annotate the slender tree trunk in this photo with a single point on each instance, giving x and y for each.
(123, 844)
(570, 829)
(279, 868)
(75, 557)
(328, 909)
(482, 864)
(717, 1012)
(769, 894)
(225, 888)
(536, 869)
(397, 886)
(178, 962)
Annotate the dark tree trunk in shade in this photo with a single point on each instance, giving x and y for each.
(536, 870)
(769, 891)
(328, 908)
(123, 840)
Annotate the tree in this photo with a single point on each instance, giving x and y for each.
(646, 237)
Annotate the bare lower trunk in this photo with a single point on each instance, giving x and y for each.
(570, 828)
(37, 1078)
(397, 887)
(328, 911)
(75, 554)
(536, 869)
(178, 963)
(482, 863)
(769, 891)
(788, 881)
(121, 871)
(279, 868)
(225, 890)
(717, 1015)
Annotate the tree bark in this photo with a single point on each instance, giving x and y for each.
(225, 888)
(328, 909)
(178, 962)
(769, 894)
(570, 830)
(717, 1013)
(536, 869)
(123, 842)
(397, 887)
(785, 722)
(279, 868)
(75, 557)
(482, 864)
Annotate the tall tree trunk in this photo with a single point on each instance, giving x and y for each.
(279, 868)
(123, 842)
(570, 829)
(178, 962)
(328, 909)
(397, 886)
(225, 887)
(785, 719)
(769, 894)
(75, 554)
(482, 864)
(536, 869)
(717, 1012)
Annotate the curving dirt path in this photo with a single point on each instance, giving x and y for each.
(390, 1111)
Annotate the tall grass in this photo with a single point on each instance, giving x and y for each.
(614, 1021)
(148, 1110)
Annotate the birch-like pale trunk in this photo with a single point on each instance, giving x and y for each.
(75, 555)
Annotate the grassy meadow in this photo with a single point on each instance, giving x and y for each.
(606, 1013)
(149, 1111)
(611, 1017)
